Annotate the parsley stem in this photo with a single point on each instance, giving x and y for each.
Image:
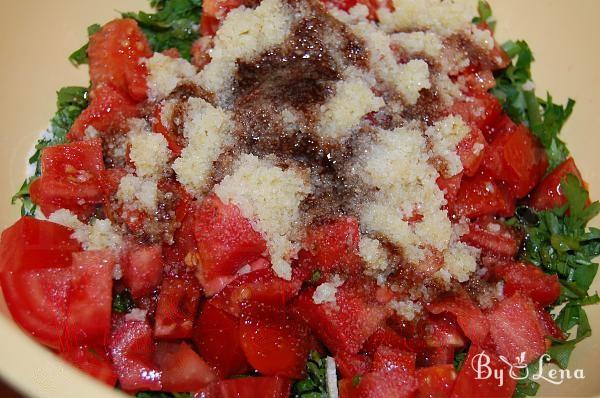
(533, 109)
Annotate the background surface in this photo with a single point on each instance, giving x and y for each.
(36, 38)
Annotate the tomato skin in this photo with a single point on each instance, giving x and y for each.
(115, 54)
(492, 237)
(107, 112)
(346, 325)
(469, 317)
(142, 269)
(515, 328)
(275, 342)
(93, 362)
(177, 307)
(333, 246)
(226, 240)
(249, 387)
(542, 288)
(132, 349)
(181, 368)
(548, 193)
(260, 286)
(70, 177)
(479, 196)
(467, 385)
(217, 338)
(90, 298)
(31, 243)
(436, 381)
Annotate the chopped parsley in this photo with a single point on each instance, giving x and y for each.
(315, 383)
(485, 15)
(123, 302)
(80, 56)
(174, 25)
(71, 101)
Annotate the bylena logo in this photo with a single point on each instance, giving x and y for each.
(519, 370)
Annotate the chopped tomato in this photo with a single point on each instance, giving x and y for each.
(471, 151)
(386, 337)
(492, 237)
(181, 368)
(390, 359)
(93, 362)
(436, 381)
(503, 125)
(132, 351)
(479, 196)
(450, 186)
(469, 317)
(347, 324)
(548, 194)
(275, 342)
(213, 11)
(383, 384)
(70, 177)
(217, 338)
(469, 385)
(333, 246)
(226, 240)
(517, 159)
(434, 356)
(249, 387)
(201, 48)
(258, 286)
(142, 269)
(515, 329)
(176, 142)
(441, 331)
(107, 112)
(89, 303)
(183, 250)
(480, 110)
(115, 54)
(350, 365)
(177, 307)
(549, 326)
(479, 81)
(542, 288)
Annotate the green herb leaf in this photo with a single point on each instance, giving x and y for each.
(174, 25)
(459, 360)
(315, 383)
(123, 302)
(70, 102)
(485, 15)
(80, 56)
(527, 387)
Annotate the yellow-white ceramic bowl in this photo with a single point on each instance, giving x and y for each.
(36, 37)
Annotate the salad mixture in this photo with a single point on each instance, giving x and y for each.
(304, 199)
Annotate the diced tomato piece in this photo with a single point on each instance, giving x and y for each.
(201, 47)
(479, 81)
(132, 350)
(436, 381)
(479, 196)
(258, 286)
(31, 243)
(347, 324)
(107, 112)
(549, 326)
(177, 307)
(249, 387)
(217, 338)
(176, 142)
(333, 246)
(450, 186)
(384, 384)
(37, 301)
(386, 337)
(90, 298)
(115, 54)
(70, 177)
(469, 317)
(530, 280)
(350, 365)
(518, 159)
(471, 151)
(275, 342)
(93, 362)
(142, 269)
(181, 368)
(389, 359)
(492, 237)
(502, 126)
(434, 356)
(226, 239)
(480, 110)
(469, 385)
(213, 11)
(515, 329)
(548, 194)
(439, 331)
(183, 250)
